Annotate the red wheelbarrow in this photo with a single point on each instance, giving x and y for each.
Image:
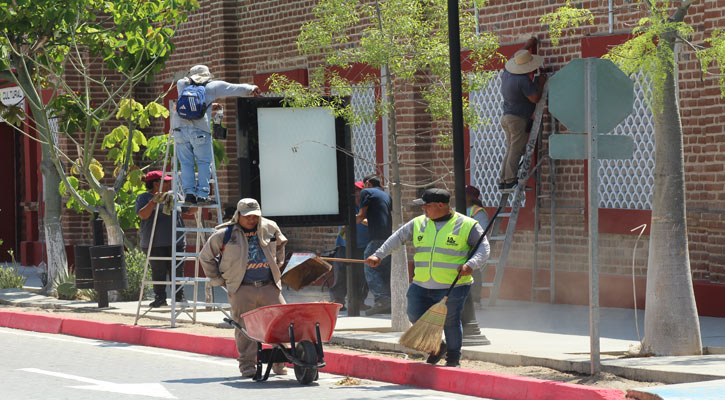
(304, 326)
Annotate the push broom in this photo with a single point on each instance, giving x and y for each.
(426, 333)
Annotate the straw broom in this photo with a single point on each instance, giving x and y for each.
(426, 333)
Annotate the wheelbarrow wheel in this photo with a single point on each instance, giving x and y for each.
(307, 353)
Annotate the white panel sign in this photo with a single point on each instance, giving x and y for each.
(297, 161)
(12, 96)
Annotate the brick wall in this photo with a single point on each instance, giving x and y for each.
(240, 39)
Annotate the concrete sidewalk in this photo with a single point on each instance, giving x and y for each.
(521, 333)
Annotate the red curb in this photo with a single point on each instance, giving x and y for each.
(102, 330)
(403, 372)
(211, 345)
(31, 321)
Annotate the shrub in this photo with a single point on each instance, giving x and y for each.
(11, 278)
(135, 260)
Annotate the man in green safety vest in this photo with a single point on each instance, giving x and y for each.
(443, 239)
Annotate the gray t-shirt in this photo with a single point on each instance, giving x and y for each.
(164, 226)
(214, 90)
(515, 88)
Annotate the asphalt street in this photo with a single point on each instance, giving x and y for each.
(48, 366)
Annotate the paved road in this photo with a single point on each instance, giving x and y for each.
(46, 366)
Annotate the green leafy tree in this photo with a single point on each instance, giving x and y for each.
(91, 55)
(671, 323)
(408, 41)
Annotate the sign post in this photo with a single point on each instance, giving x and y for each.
(592, 96)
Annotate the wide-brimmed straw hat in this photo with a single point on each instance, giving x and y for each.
(523, 62)
(200, 74)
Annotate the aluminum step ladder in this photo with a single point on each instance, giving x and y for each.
(201, 233)
(498, 237)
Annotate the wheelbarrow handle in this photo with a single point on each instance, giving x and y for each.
(236, 325)
(347, 260)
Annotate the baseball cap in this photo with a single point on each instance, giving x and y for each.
(359, 185)
(433, 195)
(473, 191)
(155, 176)
(248, 206)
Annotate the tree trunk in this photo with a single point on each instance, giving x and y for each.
(399, 279)
(671, 324)
(110, 219)
(53, 206)
(52, 226)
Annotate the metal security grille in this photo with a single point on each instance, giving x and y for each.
(363, 134)
(629, 184)
(488, 143)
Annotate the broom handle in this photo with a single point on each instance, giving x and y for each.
(347, 260)
(474, 248)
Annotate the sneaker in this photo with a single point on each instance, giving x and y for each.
(205, 201)
(158, 303)
(248, 372)
(190, 198)
(181, 299)
(453, 363)
(507, 187)
(279, 368)
(343, 308)
(378, 308)
(434, 358)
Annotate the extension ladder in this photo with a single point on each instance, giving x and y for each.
(515, 200)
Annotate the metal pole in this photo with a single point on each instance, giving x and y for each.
(592, 124)
(459, 161)
(470, 324)
(353, 271)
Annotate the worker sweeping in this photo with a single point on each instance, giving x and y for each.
(442, 240)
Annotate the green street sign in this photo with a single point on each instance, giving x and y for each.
(574, 147)
(614, 95)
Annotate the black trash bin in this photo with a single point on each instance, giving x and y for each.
(84, 272)
(109, 271)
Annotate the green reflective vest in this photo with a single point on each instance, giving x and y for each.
(438, 254)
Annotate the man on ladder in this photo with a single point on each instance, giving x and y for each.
(192, 133)
(520, 95)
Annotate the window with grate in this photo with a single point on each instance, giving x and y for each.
(629, 184)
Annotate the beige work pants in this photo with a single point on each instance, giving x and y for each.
(247, 298)
(516, 138)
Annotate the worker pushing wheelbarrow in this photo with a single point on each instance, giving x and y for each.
(245, 255)
(302, 326)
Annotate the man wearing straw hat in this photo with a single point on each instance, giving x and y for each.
(520, 95)
(249, 266)
(442, 240)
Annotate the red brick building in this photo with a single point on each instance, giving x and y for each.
(246, 41)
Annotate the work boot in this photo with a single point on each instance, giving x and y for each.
(434, 358)
(248, 371)
(190, 198)
(453, 362)
(507, 187)
(378, 308)
(158, 303)
(279, 368)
